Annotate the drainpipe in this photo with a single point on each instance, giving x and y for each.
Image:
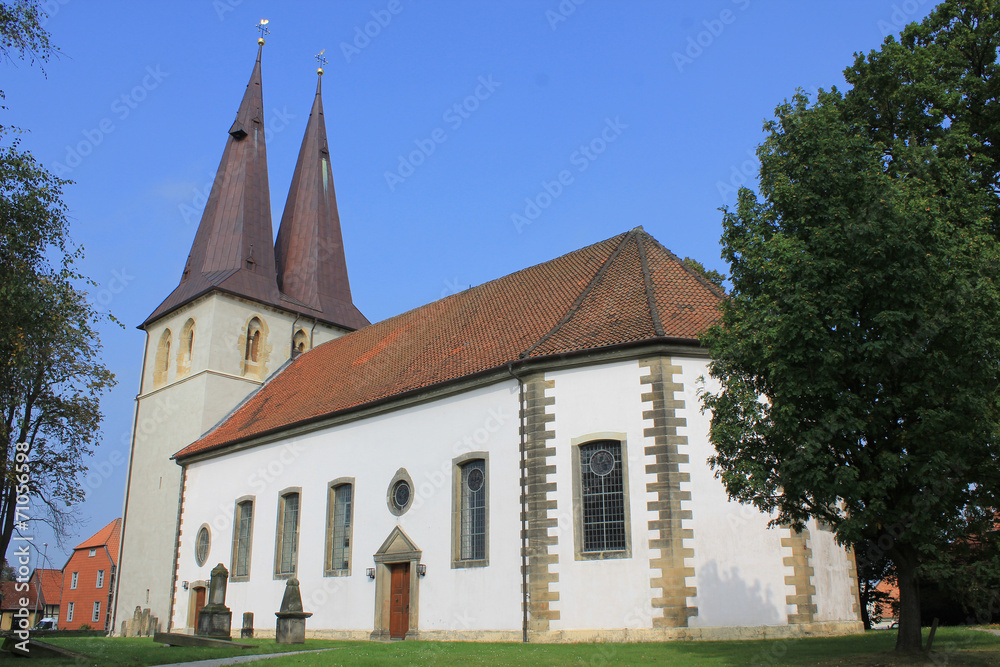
(524, 508)
(291, 353)
(311, 331)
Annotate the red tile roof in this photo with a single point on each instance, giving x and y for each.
(107, 536)
(51, 584)
(624, 290)
(11, 597)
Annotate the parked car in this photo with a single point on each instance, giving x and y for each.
(47, 623)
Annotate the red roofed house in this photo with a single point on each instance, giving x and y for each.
(526, 459)
(12, 595)
(49, 583)
(88, 580)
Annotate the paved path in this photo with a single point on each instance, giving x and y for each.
(240, 659)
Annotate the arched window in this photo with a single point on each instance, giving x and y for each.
(300, 342)
(242, 539)
(256, 351)
(339, 512)
(253, 342)
(600, 498)
(161, 364)
(186, 351)
(287, 537)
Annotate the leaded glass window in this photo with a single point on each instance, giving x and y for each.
(602, 496)
(340, 543)
(473, 511)
(244, 527)
(289, 533)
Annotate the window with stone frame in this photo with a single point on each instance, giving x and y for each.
(70, 608)
(100, 579)
(600, 500)
(470, 510)
(74, 579)
(186, 350)
(97, 612)
(339, 527)
(287, 538)
(161, 363)
(242, 540)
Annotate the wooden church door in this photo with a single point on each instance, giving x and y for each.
(399, 607)
(199, 602)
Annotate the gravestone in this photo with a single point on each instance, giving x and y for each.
(247, 631)
(291, 624)
(215, 619)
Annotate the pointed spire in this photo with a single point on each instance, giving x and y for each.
(311, 265)
(233, 248)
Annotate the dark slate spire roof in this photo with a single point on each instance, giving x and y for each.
(309, 253)
(233, 249)
(628, 290)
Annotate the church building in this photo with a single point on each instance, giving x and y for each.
(522, 461)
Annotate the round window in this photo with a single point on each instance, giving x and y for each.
(401, 494)
(602, 462)
(202, 546)
(475, 480)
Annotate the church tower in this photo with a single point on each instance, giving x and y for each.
(242, 309)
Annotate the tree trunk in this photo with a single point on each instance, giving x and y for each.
(908, 636)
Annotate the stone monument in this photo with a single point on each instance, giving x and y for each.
(291, 624)
(215, 619)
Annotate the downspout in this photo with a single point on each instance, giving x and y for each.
(311, 331)
(524, 509)
(291, 341)
(128, 483)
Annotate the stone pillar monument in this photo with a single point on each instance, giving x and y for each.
(291, 624)
(215, 619)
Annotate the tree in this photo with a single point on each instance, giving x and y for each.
(858, 356)
(51, 376)
(711, 275)
(874, 603)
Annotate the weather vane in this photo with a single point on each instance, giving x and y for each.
(264, 30)
(321, 60)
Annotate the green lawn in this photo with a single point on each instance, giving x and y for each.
(953, 646)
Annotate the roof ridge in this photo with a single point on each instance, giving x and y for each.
(594, 281)
(647, 279)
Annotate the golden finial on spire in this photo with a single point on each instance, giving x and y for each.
(264, 30)
(322, 61)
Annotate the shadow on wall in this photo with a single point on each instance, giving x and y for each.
(728, 600)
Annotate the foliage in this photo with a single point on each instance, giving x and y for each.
(51, 375)
(711, 275)
(859, 355)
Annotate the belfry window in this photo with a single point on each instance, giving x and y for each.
(253, 341)
(161, 364)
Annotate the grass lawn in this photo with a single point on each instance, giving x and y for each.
(953, 646)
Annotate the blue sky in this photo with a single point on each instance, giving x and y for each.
(468, 139)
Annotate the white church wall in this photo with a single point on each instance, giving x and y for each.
(739, 574)
(589, 403)
(422, 439)
(832, 576)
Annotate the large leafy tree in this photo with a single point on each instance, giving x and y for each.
(51, 375)
(859, 354)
